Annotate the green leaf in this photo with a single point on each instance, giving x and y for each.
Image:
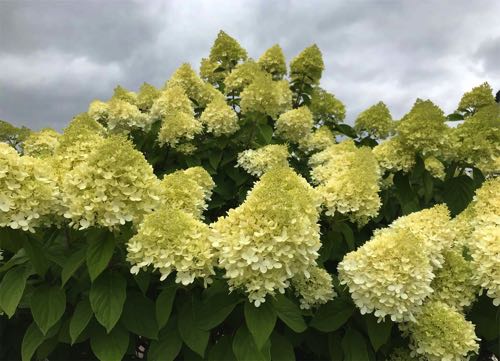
(107, 296)
(36, 254)
(281, 348)
(405, 194)
(12, 289)
(264, 134)
(17, 259)
(72, 264)
(143, 279)
(378, 332)
(332, 315)
(453, 117)
(346, 130)
(215, 309)
(167, 347)
(478, 177)
(214, 159)
(164, 304)
(245, 348)
(191, 334)
(143, 324)
(32, 339)
(80, 319)
(334, 346)
(458, 193)
(109, 346)
(289, 313)
(347, 233)
(48, 304)
(222, 350)
(99, 254)
(260, 321)
(354, 346)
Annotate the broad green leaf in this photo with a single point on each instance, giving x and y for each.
(458, 193)
(332, 315)
(36, 254)
(222, 350)
(245, 348)
(478, 177)
(405, 194)
(12, 289)
(354, 346)
(72, 264)
(142, 324)
(107, 296)
(32, 339)
(80, 319)
(99, 253)
(48, 304)
(215, 309)
(109, 346)
(453, 117)
(264, 134)
(347, 233)
(334, 346)
(143, 279)
(260, 321)
(289, 313)
(378, 332)
(164, 304)
(281, 348)
(346, 130)
(167, 347)
(191, 334)
(17, 259)
(214, 158)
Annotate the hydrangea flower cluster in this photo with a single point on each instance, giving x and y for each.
(114, 185)
(376, 121)
(219, 118)
(442, 334)
(325, 107)
(271, 237)
(41, 144)
(273, 61)
(308, 65)
(317, 140)
(259, 161)
(434, 167)
(313, 287)
(120, 93)
(242, 76)
(146, 97)
(294, 124)
(348, 179)
(28, 190)
(478, 97)
(393, 156)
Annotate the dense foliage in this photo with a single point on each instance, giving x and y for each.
(234, 216)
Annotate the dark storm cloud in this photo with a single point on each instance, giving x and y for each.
(55, 57)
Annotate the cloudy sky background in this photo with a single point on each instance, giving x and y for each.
(57, 56)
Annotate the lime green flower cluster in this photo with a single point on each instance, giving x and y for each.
(219, 118)
(393, 156)
(434, 167)
(98, 111)
(273, 61)
(307, 66)
(41, 144)
(114, 185)
(294, 124)
(118, 115)
(187, 190)
(242, 76)
(258, 161)
(271, 237)
(441, 333)
(376, 121)
(120, 93)
(325, 107)
(266, 96)
(28, 190)
(146, 97)
(477, 98)
(348, 179)
(170, 240)
(318, 140)
(313, 287)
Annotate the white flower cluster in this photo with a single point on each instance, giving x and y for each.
(258, 161)
(313, 287)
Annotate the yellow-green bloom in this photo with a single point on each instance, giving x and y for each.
(211, 71)
(219, 118)
(146, 97)
(114, 185)
(259, 161)
(441, 333)
(314, 287)
(124, 116)
(348, 180)
(477, 98)
(271, 237)
(41, 144)
(125, 95)
(294, 124)
(273, 61)
(376, 121)
(434, 167)
(98, 111)
(308, 65)
(317, 140)
(171, 100)
(241, 76)
(226, 51)
(393, 156)
(325, 107)
(172, 240)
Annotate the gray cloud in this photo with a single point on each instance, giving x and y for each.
(55, 57)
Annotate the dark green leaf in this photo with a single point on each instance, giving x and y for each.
(99, 254)
(245, 348)
(36, 254)
(347, 233)
(107, 296)
(48, 304)
(260, 321)
(167, 347)
(222, 350)
(378, 332)
(265, 134)
(191, 334)
(478, 177)
(458, 193)
(143, 280)
(334, 346)
(12, 289)
(17, 259)
(354, 346)
(215, 309)
(72, 264)
(453, 117)
(80, 319)
(332, 315)
(214, 158)
(346, 130)
(109, 346)
(32, 339)
(142, 324)
(405, 194)
(281, 348)
(289, 313)
(164, 304)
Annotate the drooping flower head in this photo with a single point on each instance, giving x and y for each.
(258, 161)
(295, 124)
(477, 98)
(325, 107)
(273, 61)
(314, 287)
(41, 144)
(271, 237)
(308, 65)
(219, 118)
(376, 121)
(434, 167)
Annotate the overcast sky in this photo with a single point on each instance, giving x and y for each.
(57, 56)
